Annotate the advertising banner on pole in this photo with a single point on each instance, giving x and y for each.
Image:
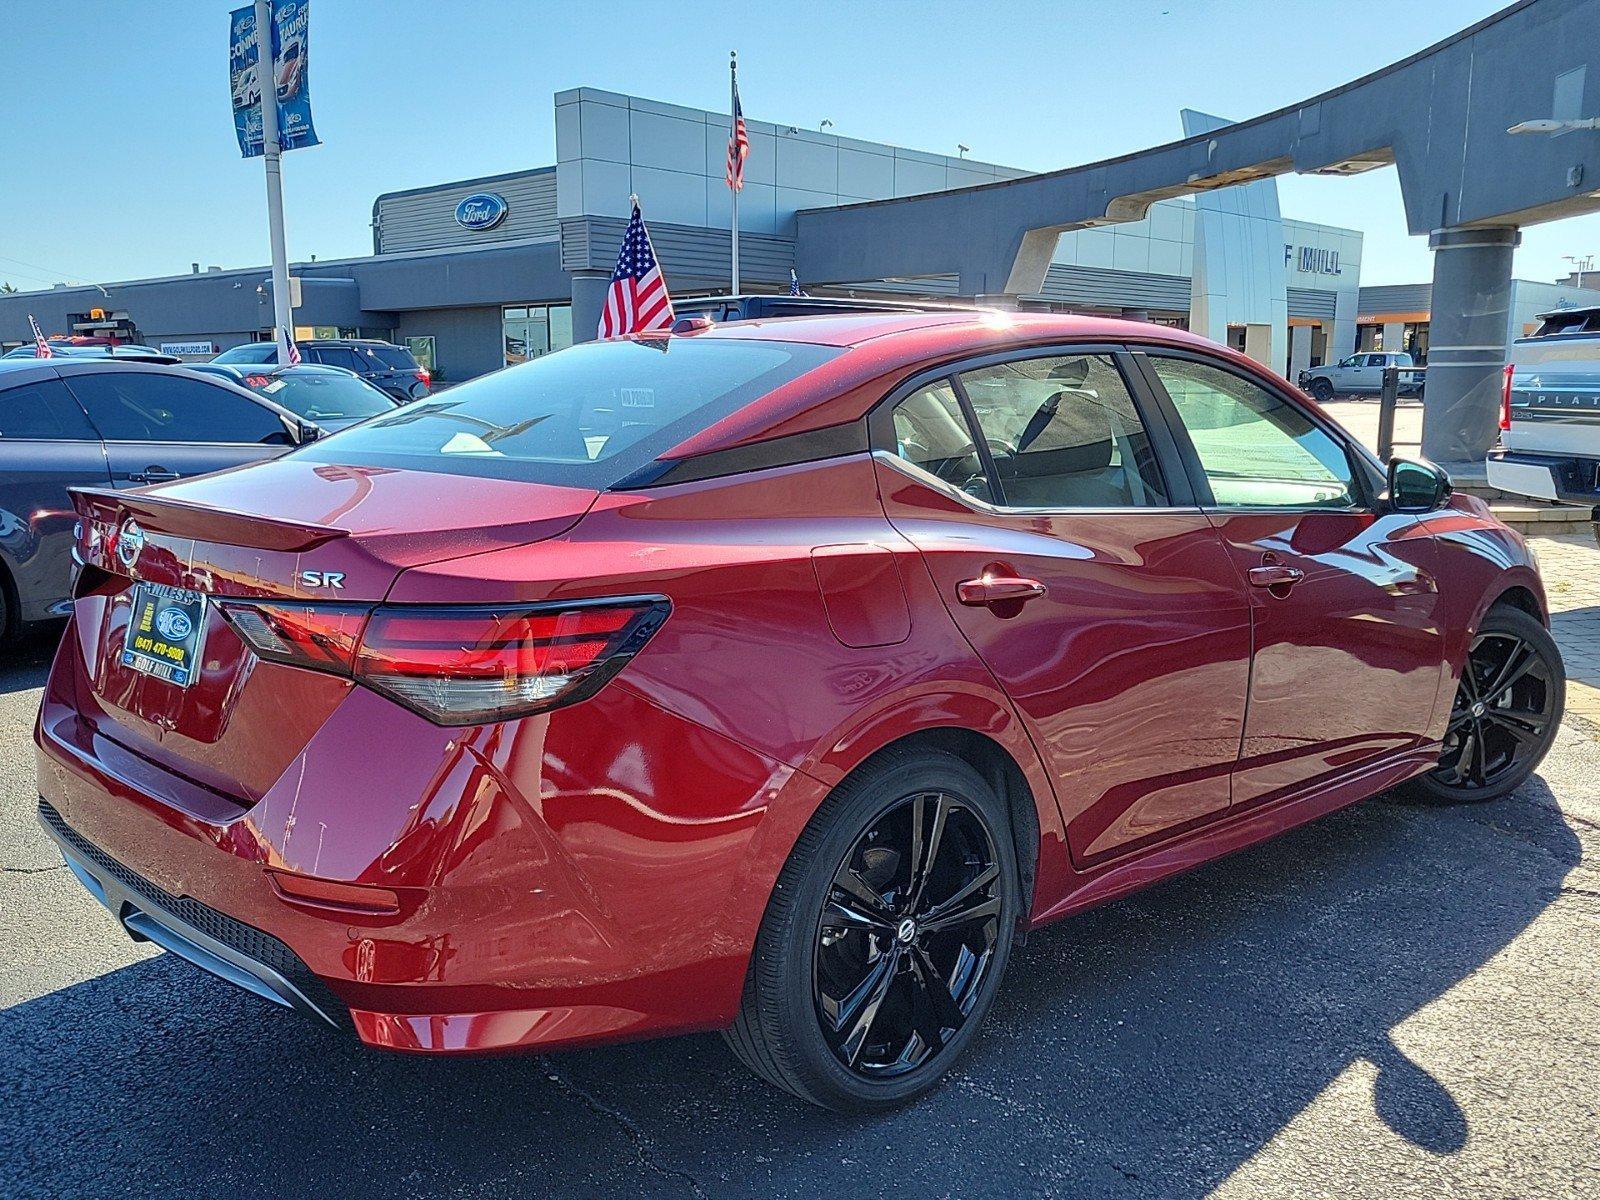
(285, 78)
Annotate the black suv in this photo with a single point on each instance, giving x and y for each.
(382, 364)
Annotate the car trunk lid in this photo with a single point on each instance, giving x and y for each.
(333, 536)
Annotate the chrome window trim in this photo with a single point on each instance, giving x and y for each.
(928, 479)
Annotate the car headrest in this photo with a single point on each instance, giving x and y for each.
(1073, 373)
(1093, 455)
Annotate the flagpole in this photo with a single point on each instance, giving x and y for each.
(272, 159)
(733, 105)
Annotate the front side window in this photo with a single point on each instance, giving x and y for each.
(1257, 449)
(1064, 433)
(158, 407)
(931, 432)
(588, 416)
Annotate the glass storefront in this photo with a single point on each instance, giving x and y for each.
(528, 331)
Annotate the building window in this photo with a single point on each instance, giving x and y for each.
(421, 348)
(531, 330)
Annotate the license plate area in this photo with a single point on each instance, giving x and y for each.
(164, 632)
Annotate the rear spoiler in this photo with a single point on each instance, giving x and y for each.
(183, 518)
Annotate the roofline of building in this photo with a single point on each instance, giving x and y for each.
(431, 252)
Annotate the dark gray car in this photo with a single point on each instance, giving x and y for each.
(382, 364)
(329, 397)
(68, 422)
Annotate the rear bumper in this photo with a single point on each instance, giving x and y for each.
(1568, 478)
(593, 874)
(213, 941)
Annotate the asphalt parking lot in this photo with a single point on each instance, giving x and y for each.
(1394, 1001)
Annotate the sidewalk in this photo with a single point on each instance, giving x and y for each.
(1571, 568)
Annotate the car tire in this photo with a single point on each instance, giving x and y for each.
(1537, 707)
(787, 1030)
(1321, 391)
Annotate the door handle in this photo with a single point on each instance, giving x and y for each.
(1275, 575)
(998, 589)
(153, 475)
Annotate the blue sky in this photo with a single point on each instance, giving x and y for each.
(119, 158)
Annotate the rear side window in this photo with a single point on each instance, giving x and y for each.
(587, 417)
(930, 432)
(43, 411)
(335, 356)
(169, 408)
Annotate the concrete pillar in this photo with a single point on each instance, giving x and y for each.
(1299, 350)
(1258, 345)
(1471, 312)
(588, 302)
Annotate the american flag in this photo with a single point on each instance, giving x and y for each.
(794, 283)
(637, 301)
(738, 144)
(41, 347)
(294, 351)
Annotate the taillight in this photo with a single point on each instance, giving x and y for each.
(462, 666)
(457, 665)
(320, 636)
(1505, 397)
(423, 377)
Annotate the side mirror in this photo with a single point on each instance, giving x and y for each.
(1417, 486)
(306, 431)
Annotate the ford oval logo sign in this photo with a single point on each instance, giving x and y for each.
(482, 210)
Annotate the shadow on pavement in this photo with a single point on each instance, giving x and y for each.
(1145, 1049)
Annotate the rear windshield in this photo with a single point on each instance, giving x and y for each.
(587, 416)
(396, 358)
(1582, 321)
(321, 397)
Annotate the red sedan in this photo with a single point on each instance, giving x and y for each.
(769, 678)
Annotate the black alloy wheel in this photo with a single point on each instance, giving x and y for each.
(1506, 711)
(886, 936)
(907, 936)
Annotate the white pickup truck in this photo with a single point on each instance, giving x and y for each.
(1360, 374)
(1550, 411)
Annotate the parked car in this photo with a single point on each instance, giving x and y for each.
(755, 306)
(67, 349)
(82, 420)
(392, 368)
(778, 699)
(1550, 411)
(330, 398)
(1361, 374)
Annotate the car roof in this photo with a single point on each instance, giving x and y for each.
(349, 342)
(882, 350)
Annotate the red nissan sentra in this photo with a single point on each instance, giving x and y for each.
(769, 678)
